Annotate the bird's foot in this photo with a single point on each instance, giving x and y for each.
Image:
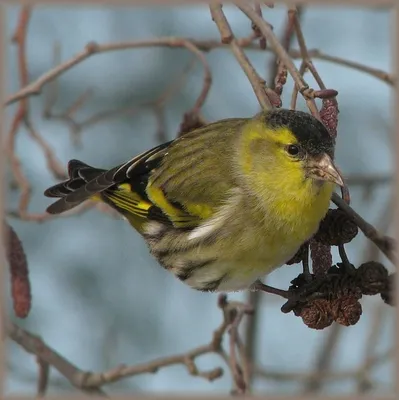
(304, 288)
(260, 286)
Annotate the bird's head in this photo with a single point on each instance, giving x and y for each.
(288, 149)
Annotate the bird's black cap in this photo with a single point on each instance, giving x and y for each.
(310, 132)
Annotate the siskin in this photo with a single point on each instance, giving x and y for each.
(225, 204)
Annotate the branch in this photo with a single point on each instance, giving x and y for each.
(368, 180)
(90, 382)
(43, 378)
(278, 74)
(259, 86)
(262, 39)
(324, 359)
(35, 345)
(287, 376)
(35, 87)
(92, 48)
(21, 117)
(278, 69)
(377, 73)
(371, 343)
(76, 127)
(78, 210)
(384, 243)
(19, 38)
(276, 46)
(283, 55)
(51, 98)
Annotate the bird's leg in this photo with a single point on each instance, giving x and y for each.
(259, 286)
(348, 267)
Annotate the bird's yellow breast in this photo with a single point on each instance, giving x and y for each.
(298, 216)
(267, 243)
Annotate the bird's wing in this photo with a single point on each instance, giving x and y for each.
(194, 177)
(180, 183)
(86, 182)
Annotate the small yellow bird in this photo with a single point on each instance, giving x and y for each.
(225, 204)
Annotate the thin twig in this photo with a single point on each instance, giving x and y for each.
(377, 73)
(374, 334)
(239, 365)
(384, 243)
(90, 382)
(157, 106)
(285, 58)
(92, 48)
(327, 376)
(262, 39)
(79, 210)
(295, 91)
(368, 180)
(276, 46)
(304, 51)
(35, 345)
(251, 332)
(254, 297)
(324, 359)
(21, 117)
(43, 378)
(258, 84)
(35, 87)
(379, 311)
(277, 68)
(19, 37)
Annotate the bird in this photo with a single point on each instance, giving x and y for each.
(223, 205)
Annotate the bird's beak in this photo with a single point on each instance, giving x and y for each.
(323, 169)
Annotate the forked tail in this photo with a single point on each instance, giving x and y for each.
(84, 182)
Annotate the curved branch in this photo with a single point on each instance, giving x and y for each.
(92, 48)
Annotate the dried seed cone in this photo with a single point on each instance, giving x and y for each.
(20, 284)
(346, 310)
(281, 79)
(316, 314)
(321, 257)
(299, 281)
(388, 294)
(372, 278)
(329, 115)
(336, 228)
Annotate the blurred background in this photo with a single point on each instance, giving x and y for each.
(99, 299)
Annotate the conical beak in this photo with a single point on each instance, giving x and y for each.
(323, 169)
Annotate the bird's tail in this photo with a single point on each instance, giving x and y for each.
(84, 183)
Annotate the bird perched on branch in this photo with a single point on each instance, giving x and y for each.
(226, 203)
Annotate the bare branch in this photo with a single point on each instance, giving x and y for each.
(35, 345)
(35, 87)
(43, 378)
(324, 358)
(384, 243)
(92, 48)
(91, 382)
(259, 86)
(327, 376)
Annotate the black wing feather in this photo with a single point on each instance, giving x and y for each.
(86, 181)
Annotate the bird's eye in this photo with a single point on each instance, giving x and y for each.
(292, 150)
